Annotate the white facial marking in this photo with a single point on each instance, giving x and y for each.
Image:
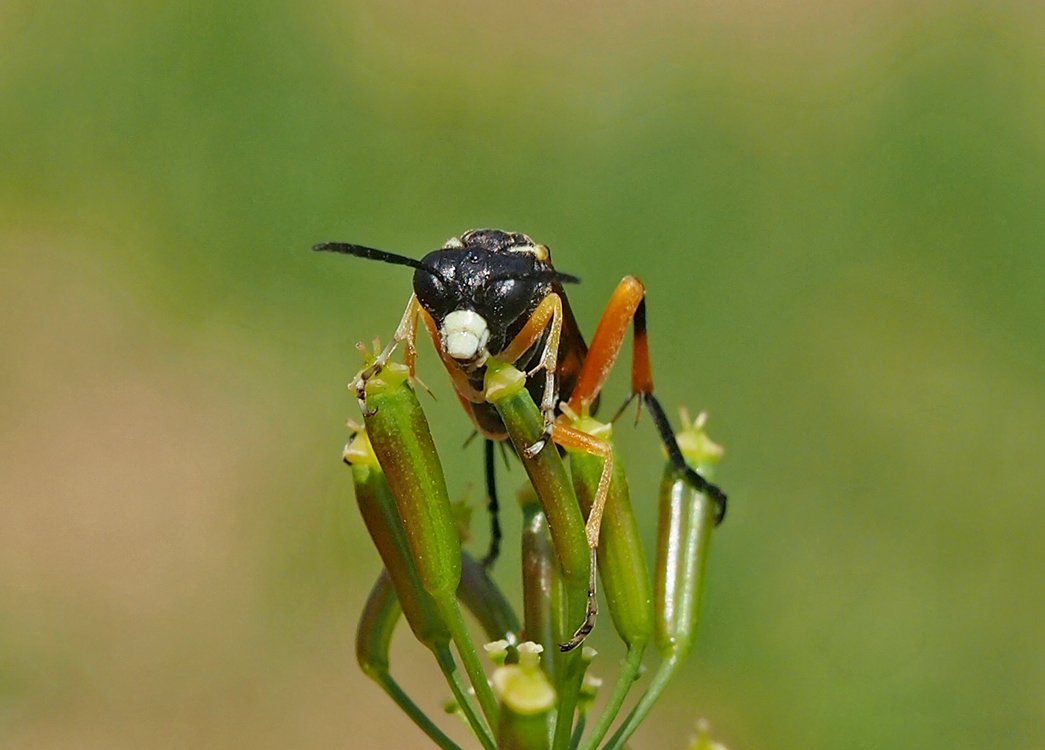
(464, 334)
(521, 249)
(452, 243)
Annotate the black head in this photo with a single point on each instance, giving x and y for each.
(480, 288)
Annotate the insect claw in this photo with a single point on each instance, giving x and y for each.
(535, 370)
(578, 637)
(417, 382)
(360, 388)
(531, 451)
(622, 407)
(720, 505)
(638, 408)
(367, 412)
(700, 484)
(549, 421)
(590, 612)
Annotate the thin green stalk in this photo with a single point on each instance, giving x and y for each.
(392, 688)
(635, 717)
(445, 658)
(630, 670)
(462, 640)
(578, 731)
(373, 642)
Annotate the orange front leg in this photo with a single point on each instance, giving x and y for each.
(548, 315)
(405, 332)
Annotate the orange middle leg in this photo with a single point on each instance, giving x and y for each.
(548, 315)
(627, 307)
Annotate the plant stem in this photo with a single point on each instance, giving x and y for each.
(664, 673)
(525, 424)
(373, 641)
(631, 668)
(445, 658)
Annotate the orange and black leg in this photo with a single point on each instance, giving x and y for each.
(627, 307)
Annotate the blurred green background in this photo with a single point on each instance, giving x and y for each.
(838, 212)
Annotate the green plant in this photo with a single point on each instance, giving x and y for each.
(538, 696)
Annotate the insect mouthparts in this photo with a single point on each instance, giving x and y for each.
(465, 334)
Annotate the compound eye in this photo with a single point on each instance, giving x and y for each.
(510, 298)
(430, 290)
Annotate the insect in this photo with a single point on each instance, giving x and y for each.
(491, 293)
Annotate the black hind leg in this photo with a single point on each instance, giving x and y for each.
(667, 436)
(492, 506)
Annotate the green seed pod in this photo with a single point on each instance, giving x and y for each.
(376, 626)
(381, 516)
(543, 604)
(684, 527)
(399, 434)
(403, 444)
(621, 560)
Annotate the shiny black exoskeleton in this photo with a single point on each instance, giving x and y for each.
(502, 276)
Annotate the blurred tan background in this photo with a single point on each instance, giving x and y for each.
(838, 212)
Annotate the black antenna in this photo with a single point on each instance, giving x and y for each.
(373, 254)
(543, 274)
(562, 278)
